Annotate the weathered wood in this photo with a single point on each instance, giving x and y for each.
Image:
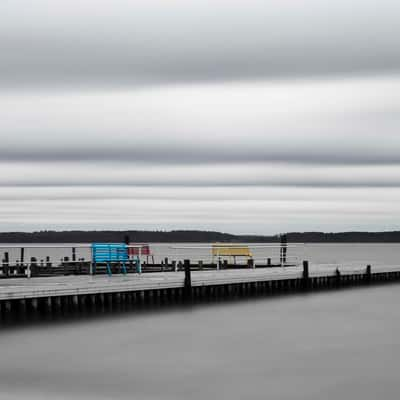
(188, 281)
(368, 274)
(306, 275)
(22, 255)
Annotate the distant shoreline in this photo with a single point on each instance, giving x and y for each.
(192, 236)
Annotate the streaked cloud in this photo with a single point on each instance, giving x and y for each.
(101, 43)
(332, 122)
(257, 116)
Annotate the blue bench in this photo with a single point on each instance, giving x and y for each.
(110, 253)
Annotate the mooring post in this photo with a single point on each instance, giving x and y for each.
(6, 263)
(33, 268)
(22, 255)
(188, 281)
(306, 276)
(283, 249)
(338, 279)
(368, 274)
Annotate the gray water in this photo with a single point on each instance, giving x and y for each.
(326, 345)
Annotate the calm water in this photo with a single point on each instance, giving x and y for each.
(327, 345)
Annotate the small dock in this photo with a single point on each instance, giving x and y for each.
(78, 292)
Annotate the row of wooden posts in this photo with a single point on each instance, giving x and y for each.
(189, 293)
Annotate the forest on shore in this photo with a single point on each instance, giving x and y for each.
(193, 236)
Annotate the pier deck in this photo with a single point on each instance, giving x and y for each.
(17, 288)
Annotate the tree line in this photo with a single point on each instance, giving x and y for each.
(181, 236)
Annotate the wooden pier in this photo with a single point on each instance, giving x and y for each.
(51, 294)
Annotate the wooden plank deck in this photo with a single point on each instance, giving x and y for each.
(24, 288)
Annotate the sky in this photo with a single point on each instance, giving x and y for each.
(244, 117)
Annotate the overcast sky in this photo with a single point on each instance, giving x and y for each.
(240, 116)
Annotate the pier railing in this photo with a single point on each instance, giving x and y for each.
(78, 259)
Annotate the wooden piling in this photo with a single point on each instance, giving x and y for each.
(338, 278)
(6, 262)
(368, 274)
(188, 281)
(306, 276)
(283, 249)
(33, 267)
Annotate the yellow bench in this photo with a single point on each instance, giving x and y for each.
(230, 250)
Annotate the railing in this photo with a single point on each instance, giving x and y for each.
(27, 260)
(261, 254)
(39, 259)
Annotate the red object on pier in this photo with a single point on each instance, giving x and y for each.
(145, 250)
(139, 250)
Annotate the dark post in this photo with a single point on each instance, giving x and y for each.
(250, 263)
(368, 274)
(337, 277)
(306, 276)
(268, 262)
(34, 266)
(283, 248)
(6, 258)
(6, 263)
(22, 255)
(73, 254)
(188, 281)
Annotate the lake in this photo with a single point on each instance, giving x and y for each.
(323, 345)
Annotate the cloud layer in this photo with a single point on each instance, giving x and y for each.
(102, 43)
(263, 116)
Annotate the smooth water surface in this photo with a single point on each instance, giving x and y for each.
(326, 345)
